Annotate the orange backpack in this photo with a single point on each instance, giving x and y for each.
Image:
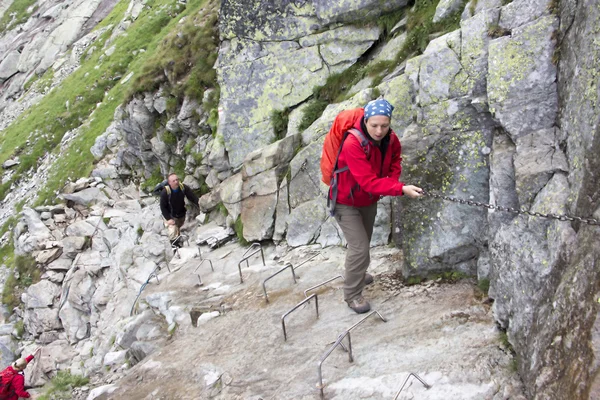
(332, 147)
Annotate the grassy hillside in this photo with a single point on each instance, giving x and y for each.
(88, 98)
(17, 13)
(170, 44)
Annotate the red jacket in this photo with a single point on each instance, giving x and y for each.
(368, 178)
(16, 389)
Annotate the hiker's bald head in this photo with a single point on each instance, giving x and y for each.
(20, 364)
(173, 181)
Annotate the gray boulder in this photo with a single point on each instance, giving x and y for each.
(305, 175)
(40, 295)
(330, 11)
(39, 320)
(7, 356)
(10, 163)
(383, 223)
(61, 264)
(331, 234)
(521, 82)
(47, 256)
(280, 152)
(538, 157)
(282, 212)
(114, 358)
(8, 66)
(520, 12)
(438, 71)
(401, 93)
(445, 8)
(218, 157)
(140, 350)
(73, 245)
(502, 181)
(76, 323)
(448, 151)
(259, 204)
(35, 236)
(87, 197)
(284, 70)
(389, 51)
(80, 229)
(474, 45)
(480, 5)
(230, 193)
(304, 222)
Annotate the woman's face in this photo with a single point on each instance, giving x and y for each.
(378, 126)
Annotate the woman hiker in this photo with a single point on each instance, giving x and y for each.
(371, 154)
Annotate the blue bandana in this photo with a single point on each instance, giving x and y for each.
(378, 107)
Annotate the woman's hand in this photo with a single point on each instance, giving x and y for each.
(412, 191)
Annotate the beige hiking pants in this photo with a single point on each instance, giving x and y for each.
(357, 225)
(173, 230)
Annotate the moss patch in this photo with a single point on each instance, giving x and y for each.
(419, 28)
(25, 273)
(62, 385)
(280, 119)
(193, 43)
(484, 286)
(239, 231)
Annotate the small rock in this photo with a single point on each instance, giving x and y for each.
(47, 256)
(99, 391)
(115, 357)
(10, 163)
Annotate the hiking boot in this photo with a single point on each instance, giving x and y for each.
(368, 278)
(359, 305)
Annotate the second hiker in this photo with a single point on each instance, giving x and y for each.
(12, 379)
(172, 205)
(368, 167)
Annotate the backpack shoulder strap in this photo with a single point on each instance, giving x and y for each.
(333, 189)
(168, 189)
(182, 187)
(364, 142)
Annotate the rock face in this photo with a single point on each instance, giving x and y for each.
(84, 298)
(503, 120)
(545, 272)
(35, 46)
(286, 59)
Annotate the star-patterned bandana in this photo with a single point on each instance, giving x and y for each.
(378, 107)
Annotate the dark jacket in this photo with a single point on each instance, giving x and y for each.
(372, 176)
(173, 206)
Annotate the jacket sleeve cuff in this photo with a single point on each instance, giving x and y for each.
(29, 358)
(400, 188)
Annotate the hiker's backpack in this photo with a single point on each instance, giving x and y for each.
(332, 147)
(343, 125)
(6, 377)
(159, 188)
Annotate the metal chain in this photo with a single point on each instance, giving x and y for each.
(559, 217)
